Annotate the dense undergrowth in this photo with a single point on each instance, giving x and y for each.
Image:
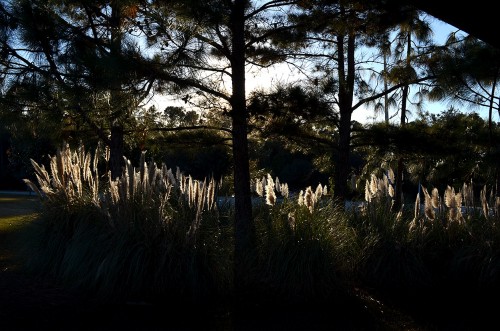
(158, 235)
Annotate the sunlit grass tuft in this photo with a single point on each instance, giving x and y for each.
(447, 243)
(147, 235)
(160, 235)
(305, 249)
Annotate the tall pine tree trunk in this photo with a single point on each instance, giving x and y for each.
(386, 96)
(494, 146)
(342, 157)
(117, 133)
(346, 93)
(398, 201)
(244, 227)
(116, 151)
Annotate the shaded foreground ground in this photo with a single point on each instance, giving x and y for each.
(29, 303)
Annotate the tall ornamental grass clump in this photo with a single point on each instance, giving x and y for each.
(305, 249)
(147, 235)
(70, 193)
(391, 261)
(460, 236)
(160, 236)
(444, 245)
(155, 235)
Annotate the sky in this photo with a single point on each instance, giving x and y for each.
(284, 73)
(441, 32)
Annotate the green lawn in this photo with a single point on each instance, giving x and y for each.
(16, 212)
(16, 205)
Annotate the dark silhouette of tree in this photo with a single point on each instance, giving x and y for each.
(467, 75)
(341, 31)
(29, 131)
(300, 119)
(439, 150)
(90, 53)
(229, 37)
(411, 45)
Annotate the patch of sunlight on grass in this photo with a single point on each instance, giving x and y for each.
(16, 214)
(10, 223)
(13, 206)
(15, 232)
(4, 200)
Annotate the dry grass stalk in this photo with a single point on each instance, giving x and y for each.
(368, 193)
(417, 207)
(374, 185)
(270, 194)
(74, 178)
(291, 221)
(71, 176)
(264, 182)
(268, 188)
(390, 176)
(200, 195)
(415, 222)
(497, 207)
(284, 190)
(468, 195)
(428, 208)
(259, 189)
(453, 201)
(211, 194)
(300, 201)
(391, 191)
(484, 202)
(309, 199)
(435, 198)
(319, 191)
(384, 185)
(377, 189)
(449, 197)
(107, 153)
(491, 200)
(170, 176)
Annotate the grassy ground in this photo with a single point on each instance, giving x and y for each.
(16, 212)
(30, 303)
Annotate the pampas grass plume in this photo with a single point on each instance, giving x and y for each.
(368, 194)
(435, 198)
(300, 201)
(428, 209)
(417, 207)
(270, 194)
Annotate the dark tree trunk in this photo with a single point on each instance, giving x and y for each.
(497, 187)
(116, 161)
(3, 148)
(398, 201)
(342, 157)
(244, 228)
(346, 90)
(398, 195)
(117, 132)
